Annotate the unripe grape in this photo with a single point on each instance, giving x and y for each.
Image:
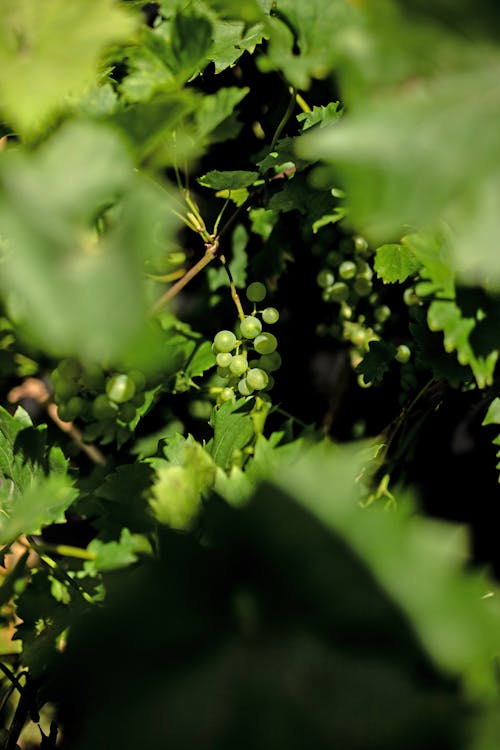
(362, 382)
(224, 341)
(120, 388)
(223, 359)
(227, 394)
(363, 286)
(325, 278)
(410, 297)
(382, 313)
(223, 372)
(64, 389)
(270, 362)
(250, 327)
(102, 408)
(346, 311)
(270, 315)
(244, 388)
(71, 410)
(347, 269)
(239, 364)
(257, 378)
(265, 343)
(360, 244)
(256, 291)
(403, 353)
(139, 379)
(93, 377)
(69, 369)
(333, 258)
(339, 292)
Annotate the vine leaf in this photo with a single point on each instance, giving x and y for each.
(321, 116)
(34, 42)
(446, 316)
(233, 431)
(228, 180)
(493, 417)
(182, 482)
(111, 555)
(458, 617)
(395, 262)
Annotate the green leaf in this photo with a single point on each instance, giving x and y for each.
(406, 160)
(49, 51)
(447, 317)
(305, 38)
(42, 503)
(111, 555)
(63, 278)
(180, 486)
(324, 115)
(228, 180)
(455, 618)
(493, 417)
(395, 263)
(377, 361)
(233, 431)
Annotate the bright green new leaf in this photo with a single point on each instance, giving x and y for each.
(180, 487)
(49, 50)
(395, 263)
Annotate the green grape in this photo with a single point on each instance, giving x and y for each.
(410, 297)
(102, 408)
(363, 286)
(139, 379)
(333, 258)
(346, 311)
(93, 378)
(223, 372)
(64, 389)
(270, 315)
(224, 341)
(223, 359)
(256, 291)
(339, 292)
(382, 313)
(239, 365)
(270, 362)
(120, 388)
(250, 327)
(127, 412)
(358, 337)
(360, 244)
(69, 369)
(72, 409)
(244, 388)
(362, 382)
(227, 394)
(365, 271)
(257, 378)
(265, 343)
(270, 383)
(347, 269)
(325, 278)
(403, 353)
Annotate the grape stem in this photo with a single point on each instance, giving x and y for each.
(210, 253)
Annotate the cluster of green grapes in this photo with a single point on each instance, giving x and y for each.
(347, 280)
(246, 359)
(106, 403)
